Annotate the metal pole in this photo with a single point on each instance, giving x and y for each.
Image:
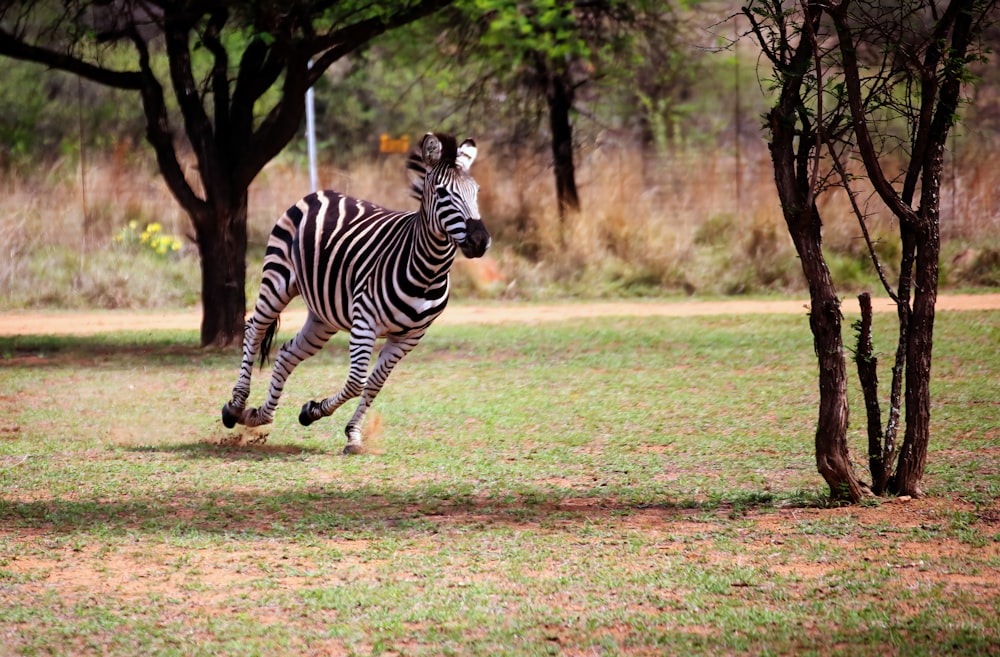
(737, 115)
(311, 137)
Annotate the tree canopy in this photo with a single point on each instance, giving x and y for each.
(236, 72)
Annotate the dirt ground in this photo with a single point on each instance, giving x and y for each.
(89, 323)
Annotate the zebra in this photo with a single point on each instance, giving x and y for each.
(361, 268)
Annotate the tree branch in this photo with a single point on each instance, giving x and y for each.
(866, 146)
(159, 136)
(851, 195)
(11, 46)
(328, 48)
(196, 122)
(219, 77)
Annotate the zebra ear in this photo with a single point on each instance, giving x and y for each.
(466, 154)
(430, 149)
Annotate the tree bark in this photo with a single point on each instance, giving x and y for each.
(793, 140)
(920, 334)
(825, 319)
(804, 225)
(879, 458)
(222, 249)
(559, 98)
(919, 348)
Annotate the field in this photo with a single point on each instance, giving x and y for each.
(602, 486)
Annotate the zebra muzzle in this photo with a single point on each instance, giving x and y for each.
(477, 239)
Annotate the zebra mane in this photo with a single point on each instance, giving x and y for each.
(416, 168)
(416, 171)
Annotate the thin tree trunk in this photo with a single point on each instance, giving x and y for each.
(879, 457)
(919, 349)
(792, 153)
(832, 455)
(559, 97)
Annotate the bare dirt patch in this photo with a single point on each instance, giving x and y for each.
(90, 323)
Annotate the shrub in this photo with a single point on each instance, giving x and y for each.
(150, 240)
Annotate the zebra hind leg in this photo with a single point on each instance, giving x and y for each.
(277, 289)
(307, 342)
(258, 335)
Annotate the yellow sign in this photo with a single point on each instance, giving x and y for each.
(387, 145)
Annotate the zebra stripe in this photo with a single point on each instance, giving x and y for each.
(361, 268)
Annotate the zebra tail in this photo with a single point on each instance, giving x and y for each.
(265, 344)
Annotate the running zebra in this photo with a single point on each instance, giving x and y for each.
(364, 269)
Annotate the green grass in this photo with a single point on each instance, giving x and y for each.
(613, 486)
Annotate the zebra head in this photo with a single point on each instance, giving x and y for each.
(448, 193)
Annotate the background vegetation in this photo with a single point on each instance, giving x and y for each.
(675, 183)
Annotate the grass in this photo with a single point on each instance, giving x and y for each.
(611, 486)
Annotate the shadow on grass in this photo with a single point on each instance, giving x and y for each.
(162, 348)
(232, 447)
(343, 509)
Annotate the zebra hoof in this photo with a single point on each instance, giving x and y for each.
(229, 418)
(309, 409)
(354, 448)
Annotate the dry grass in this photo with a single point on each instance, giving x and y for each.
(689, 222)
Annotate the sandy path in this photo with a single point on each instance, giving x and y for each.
(90, 323)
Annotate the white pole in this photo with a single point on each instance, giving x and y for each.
(311, 138)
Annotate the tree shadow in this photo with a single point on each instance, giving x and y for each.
(359, 510)
(160, 347)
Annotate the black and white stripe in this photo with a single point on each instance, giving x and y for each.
(361, 268)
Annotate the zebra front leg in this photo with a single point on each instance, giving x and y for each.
(362, 343)
(307, 342)
(392, 352)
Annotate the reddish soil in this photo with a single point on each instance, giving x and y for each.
(89, 323)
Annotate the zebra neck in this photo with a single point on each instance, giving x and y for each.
(431, 257)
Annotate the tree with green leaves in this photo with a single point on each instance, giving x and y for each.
(221, 80)
(879, 82)
(550, 50)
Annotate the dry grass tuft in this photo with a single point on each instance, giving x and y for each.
(690, 222)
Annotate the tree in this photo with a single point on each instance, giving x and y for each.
(793, 142)
(550, 50)
(238, 73)
(847, 74)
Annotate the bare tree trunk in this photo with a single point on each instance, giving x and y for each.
(793, 140)
(222, 246)
(879, 458)
(559, 97)
(832, 454)
(920, 339)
